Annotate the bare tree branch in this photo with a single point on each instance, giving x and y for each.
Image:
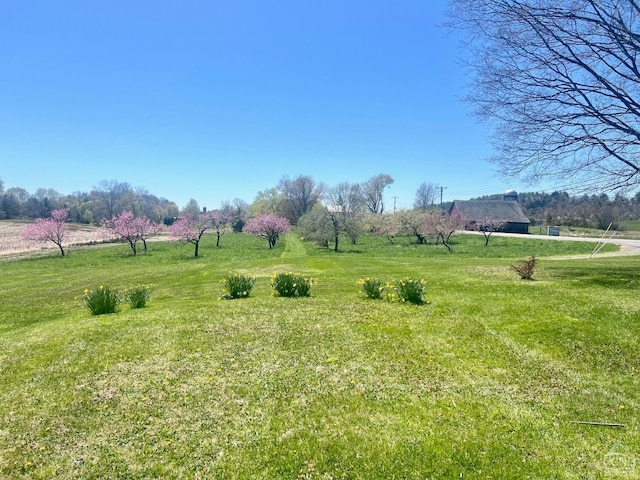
(560, 82)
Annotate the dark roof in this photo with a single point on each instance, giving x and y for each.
(479, 210)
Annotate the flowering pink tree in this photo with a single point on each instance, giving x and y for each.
(147, 228)
(268, 226)
(414, 223)
(51, 229)
(441, 226)
(128, 228)
(189, 228)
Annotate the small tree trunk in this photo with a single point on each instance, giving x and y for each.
(486, 237)
(445, 242)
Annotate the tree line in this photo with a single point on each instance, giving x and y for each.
(314, 206)
(291, 198)
(107, 199)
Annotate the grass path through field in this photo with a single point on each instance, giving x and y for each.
(293, 248)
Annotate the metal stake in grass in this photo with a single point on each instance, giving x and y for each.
(601, 424)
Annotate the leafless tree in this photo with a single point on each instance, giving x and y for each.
(345, 208)
(489, 226)
(442, 226)
(341, 216)
(192, 207)
(560, 81)
(373, 191)
(111, 192)
(300, 195)
(425, 196)
(237, 212)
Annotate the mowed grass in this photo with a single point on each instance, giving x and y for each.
(486, 380)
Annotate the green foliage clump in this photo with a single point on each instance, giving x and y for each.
(102, 300)
(371, 287)
(291, 285)
(137, 296)
(236, 286)
(526, 268)
(407, 290)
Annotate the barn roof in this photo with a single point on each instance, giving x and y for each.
(479, 210)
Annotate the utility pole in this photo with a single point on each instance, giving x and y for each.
(394, 204)
(441, 190)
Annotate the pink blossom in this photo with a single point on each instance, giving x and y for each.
(51, 229)
(268, 226)
(128, 228)
(190, 228)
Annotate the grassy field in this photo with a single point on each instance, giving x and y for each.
(486, 380)
(631, 225)
(627, 229)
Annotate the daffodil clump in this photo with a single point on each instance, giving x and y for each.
(236, 285)
(137, 296)
(291, 285)
(101, 300)
(371, 287)
(407, 290)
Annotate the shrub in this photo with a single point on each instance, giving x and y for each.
(137, 296)
(236, 286)
(371, 287)
(526, 268)
(408, 290)
(101, 300)
(291, 284)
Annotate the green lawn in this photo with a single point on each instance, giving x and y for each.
(633, 225)
(486, 380)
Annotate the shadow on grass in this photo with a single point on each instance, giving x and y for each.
(597, 276)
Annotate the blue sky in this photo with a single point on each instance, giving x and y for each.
(215, 100)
